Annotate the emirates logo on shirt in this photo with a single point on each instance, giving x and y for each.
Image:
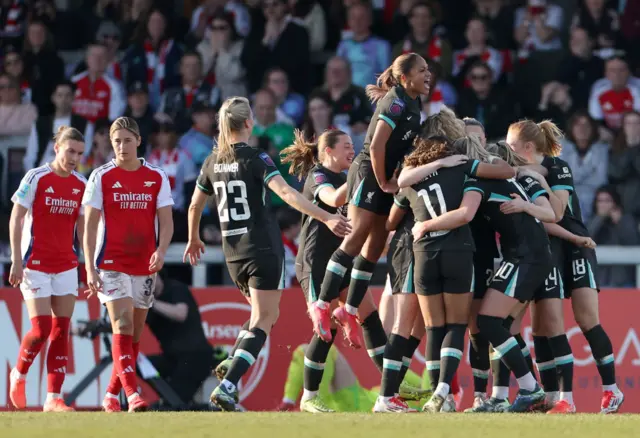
(61, 205)
(133, 201)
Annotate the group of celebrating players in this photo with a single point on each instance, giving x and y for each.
(444, 193)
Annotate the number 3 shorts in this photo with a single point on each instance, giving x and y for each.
(36, 284)
(117, 285)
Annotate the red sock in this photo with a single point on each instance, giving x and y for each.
(123, 359)
(57, 356)
(114, 384)
(455, 387)
(32, 342)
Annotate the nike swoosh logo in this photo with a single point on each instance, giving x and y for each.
(548, 288)
(577, 278)
(409, 118)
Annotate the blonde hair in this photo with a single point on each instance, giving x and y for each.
(472, 148)
(503, 151)
(66, 133)
(304, 154)
(389, 78)
(545, 135)
(444, 123)
(234, 112)
(127, 123)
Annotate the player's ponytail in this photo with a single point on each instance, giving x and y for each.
(389, 78)
(503, 151)
(304, 154)
(545, 136)
(66, 133)
(232, 116)
(552, 136)
(427, 150)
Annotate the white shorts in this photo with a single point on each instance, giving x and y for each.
(116, 285)
(36, 284)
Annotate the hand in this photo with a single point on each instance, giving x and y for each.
(615, 214)
(585, 242)
(193, 251)
(523, 171)
(156, 262)
(339, 225)
(453, 160)
(419, 230)
(94, 283)
(391, 186)
(517, 205)
(16, 274)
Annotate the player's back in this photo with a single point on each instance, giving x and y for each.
(247, 224)
(403, 236)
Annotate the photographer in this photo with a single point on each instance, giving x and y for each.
(174, 319)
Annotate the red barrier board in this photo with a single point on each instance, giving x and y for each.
(224, 311)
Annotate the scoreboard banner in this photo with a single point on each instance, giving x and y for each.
(224, 310)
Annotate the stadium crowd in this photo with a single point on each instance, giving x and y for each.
(305, 63)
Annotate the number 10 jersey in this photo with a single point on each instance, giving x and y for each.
(247, 224)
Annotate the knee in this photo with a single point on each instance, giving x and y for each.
(487, 324)
(60, 328)
(586, 319)
(402, 329)
(265, 319)
(123, 324)
(41, 329)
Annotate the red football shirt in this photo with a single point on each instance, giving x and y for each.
(49, 241)
(128, 229)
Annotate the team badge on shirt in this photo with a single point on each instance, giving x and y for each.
(320, 177)
(396, 107)
(267, 159)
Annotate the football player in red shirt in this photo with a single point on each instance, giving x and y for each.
(43, 230)
(127, 210)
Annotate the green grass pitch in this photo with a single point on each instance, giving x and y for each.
(298, 425)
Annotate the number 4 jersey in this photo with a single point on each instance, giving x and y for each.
(248, 226)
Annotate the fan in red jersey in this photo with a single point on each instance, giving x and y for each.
(44, 228)
(127, 210)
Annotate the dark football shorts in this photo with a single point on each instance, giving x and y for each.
(483, 268)
(580, 269)
(439, 272)
(363, 190)
(519, 280)
(400, 265)
(262, 273)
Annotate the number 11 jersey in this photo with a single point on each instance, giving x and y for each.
(248, 226)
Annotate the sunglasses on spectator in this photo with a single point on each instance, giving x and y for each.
(480, 77)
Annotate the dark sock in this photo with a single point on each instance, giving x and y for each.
(244, 331)
(314, 359)
(375, 338)
(435, 336)
(337, 267)
(500, 370)
(603, 354)
(451, 351)
(412, 345)
(525, 352)
(246, 354)
(563, 360)
(392, 365)
(360, 278)
(546, 365)
(503, 343)
(479, 361)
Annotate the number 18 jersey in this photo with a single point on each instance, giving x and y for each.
(248, 226)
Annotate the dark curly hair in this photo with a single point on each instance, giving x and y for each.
(428, 150)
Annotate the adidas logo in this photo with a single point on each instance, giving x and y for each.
(128, 369)
(62, 370)
(49, 190)
(117, 185)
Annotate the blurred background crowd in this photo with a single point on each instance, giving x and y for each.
(304, 64)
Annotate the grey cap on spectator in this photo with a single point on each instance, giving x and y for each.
(108, 29)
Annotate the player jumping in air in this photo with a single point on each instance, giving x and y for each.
(44, 227)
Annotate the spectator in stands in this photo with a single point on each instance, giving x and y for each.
(351, 106)
(580, 68)
(624, 163)
(175, 162)
(477, 48)
(367, 54)
(43, 65)
(154, 57)
(600, 22)
(177, 101)
(318, 117)
(140, 110)
(110, 35)
(97, 95)
(40, 145)
(441, 92)
(198, 141)
(99, 149)
(537, 27)
(13, 18)
(13, 65)
(133, 13)
(16, 117)
(610, 225)
(614, 95)
(499, 19)
(491, 107)
(312, 17)
(187, 357)
(221, 56)
(555, 103)
(283, 43)
(422, 40)
(474, 127)
(291, 105)
(203, 17)
(587, 158)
